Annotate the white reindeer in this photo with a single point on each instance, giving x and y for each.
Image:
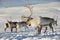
(34, 22)
(40, 22)
(23, 23)
(37, 22)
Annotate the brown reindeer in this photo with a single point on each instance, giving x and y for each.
(16, 25)
(11, 25)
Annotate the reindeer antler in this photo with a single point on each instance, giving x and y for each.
(30, 8)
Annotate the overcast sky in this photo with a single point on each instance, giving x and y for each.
(16, 7)
(14, 3)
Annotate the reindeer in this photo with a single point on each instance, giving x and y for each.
(16, 25)
(34, 22)
(22, 24)
(51, 21)
(48, 22)
(11, 25)
(37, 22)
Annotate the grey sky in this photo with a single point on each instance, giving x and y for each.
(13, 7)
(14, 3)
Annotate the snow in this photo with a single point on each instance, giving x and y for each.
(30, 33)
(28, 36)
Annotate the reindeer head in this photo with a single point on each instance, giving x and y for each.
(24, 18)
(55, 19)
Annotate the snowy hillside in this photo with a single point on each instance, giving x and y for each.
(14, 9)
(30, 33)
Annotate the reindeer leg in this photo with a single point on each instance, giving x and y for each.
(11, 29)
(55, 23)
(5, 29)
(51, 27)
(26, 27)
(16, 29)
(45, 29)
(39, 29)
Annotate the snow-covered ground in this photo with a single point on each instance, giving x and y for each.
(15, 10)
(30, 33)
